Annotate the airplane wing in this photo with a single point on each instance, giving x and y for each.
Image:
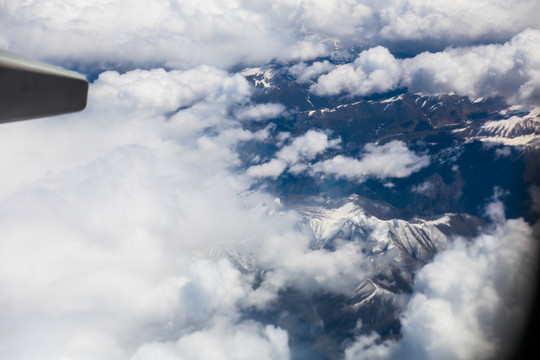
(31, 89)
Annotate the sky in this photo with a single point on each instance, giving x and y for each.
(116, 220)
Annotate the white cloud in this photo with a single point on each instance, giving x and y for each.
(247, 340)
(393, 159)
(292, 263)
(505, 151)
(302, 148)
(273, 169)
(469, 296)
(454, 23)
(511, 70)
(307, 146)
(180, 34)
(304, 50)
(374, 71)
(426, 188)
(304, 73)
(369, 347)
(260, 112)
(418, 22)
(184, 34)
(102, 212)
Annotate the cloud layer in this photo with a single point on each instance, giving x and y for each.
(117, 221)
(180, 34)
(185, 34)
(104, 211)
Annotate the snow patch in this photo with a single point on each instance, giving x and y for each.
(516, 130)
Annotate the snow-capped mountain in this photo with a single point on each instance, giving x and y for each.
(416, 239)
(259, 76)
(518, 125)
(399, 223)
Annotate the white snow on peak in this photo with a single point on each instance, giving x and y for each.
(366, 291)
(241, 258)
(345, 105)
(478, 100)
(533, 140)
(325, 110)
(443, 220)
(417, 237)
(392, 99)
(262, 76)
(512, 108)
(520, 126)
(436, 106)
(326, 222)
(251, 71)
(516, 130)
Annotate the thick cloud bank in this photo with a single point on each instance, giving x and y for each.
(117, 222)
(180, 34)
(184, 34)
(511, 70)
(104, 211)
